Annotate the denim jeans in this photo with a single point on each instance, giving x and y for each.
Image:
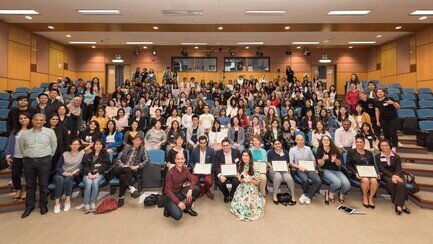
(338, 181)
(172, 208)
(91, 189)
(63, 184)
(36, 169)
(309, 190)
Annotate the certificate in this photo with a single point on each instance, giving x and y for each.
(280, 166)
(366, 171)
(309, 165)
(262, 167)
(228, 169)
(202, 169)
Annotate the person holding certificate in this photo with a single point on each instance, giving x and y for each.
(259, 155)
(329, 159)
(279, 154)
(227, 157)
(247, 203)
(360, 156)
(392, 174)
(303, 160)
(176, 193)
(202, 154)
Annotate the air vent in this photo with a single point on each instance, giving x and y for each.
(182, 12)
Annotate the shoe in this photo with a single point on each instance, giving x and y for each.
(166, 213)
(87, 209)
(67, 206)
(307, 201)
(226, 199)
(92, 207)
(398, 212)
(366, 205)
(292, 203)
(189, 211)
(302, 199)
(120, 202)
(210, 195)
(23, 196)
(341, 198)
(406, 210)
(57, 209)
(17, 196)
(44, 210)
(372, 206)
(27, 212)
(276, 202)
(326, 198)
(135, 194)
(230, 199)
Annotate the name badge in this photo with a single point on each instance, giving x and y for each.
(370, 105)
(383, 160)
(369, 137)
(236, 160)
(282, 154)
(385, 104)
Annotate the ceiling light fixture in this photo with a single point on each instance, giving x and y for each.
(28, 17)
(325, 59)
(194, 43)
(196, 47)
(169, 12)
(379, 36)
(155, 27)
(362, 42)
(350, 46)
(266, 12)
(154, 52)
(423, 12)
(298, 47)
(305, 43)
(18, 11)
(139, 43)
(51, 27)
(220, 28)
(287, 28)
(250, 43)
(118, 59)
(423, 18)
(68, 36)
(85, 42)
(145, 47)
(349, 12)
(99, 11)
(93, 47)
(247, 47)
(398, 27)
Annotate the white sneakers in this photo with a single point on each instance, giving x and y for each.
(304, 199)
(66, 209)
(57, 209)
(87, 209)
(93, 206)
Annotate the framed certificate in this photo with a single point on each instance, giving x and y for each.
(262, 167)
(202, 169)
(308, 164)
(366, 171)
(280, 166)
(228, 169)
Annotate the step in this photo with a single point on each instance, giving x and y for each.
(416, 157)
(423, 199)
(419, 169)
(4, 186)
(6, 173)
(425, 183)
(7, 205)
(407, 139)
(411, 148)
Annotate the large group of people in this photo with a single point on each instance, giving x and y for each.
(250, 124)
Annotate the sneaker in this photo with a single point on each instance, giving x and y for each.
(93, 207)
(307, 201)
(67, 206)
(87, 209)
(56, 209)
(302, 199)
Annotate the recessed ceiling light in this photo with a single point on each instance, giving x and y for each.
(194, 43)
(155, 27)
(398, 27)
(362, 42)
(379, 36)
(350, 46)
(68, 36)
(139, 43)
(220, 28)
(250, 43)
(18, 11)
(287, 28)
(99, 11)
(182, 12)
(349, 12)
(423, 18)
(423, 12)
(51, 27)
(298, 47)
(93, 47)
(266, 12)
(305, 43)
(28, 17)
(145, 47)
(247, 47)
(196, 47)
(82, 42)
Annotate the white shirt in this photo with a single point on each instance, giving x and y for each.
(206, 120)
(202, 156)
(187, 120)
(240, 82)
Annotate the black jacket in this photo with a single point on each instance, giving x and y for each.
(99, 165)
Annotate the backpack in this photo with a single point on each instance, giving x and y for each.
(107, 205)
(151, 200)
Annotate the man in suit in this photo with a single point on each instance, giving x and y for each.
(53, 101)
(202, 154)
(226, 156)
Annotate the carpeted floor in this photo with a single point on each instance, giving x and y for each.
(317, 223)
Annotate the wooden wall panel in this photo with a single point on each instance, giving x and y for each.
(389, 45)
(424, 37)
(424, 62)
(34, 50)
(343, 77)
(89, 75)
(13, 84)
(57, 46)
(37, 78)
(56, 62)
(407, 80)
(425, 84)
(403, 55)
(3, 84)
(20, 36)
(4, 33)
(43, 55)
(389, 62)
(388, 79)
(18, 61)
(71, 74)
(374, 75)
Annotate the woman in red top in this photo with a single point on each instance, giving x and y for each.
(274, 100)
(243, 118)
(352, 97)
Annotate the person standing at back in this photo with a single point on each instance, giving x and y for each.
(37, 145)
(12, 119)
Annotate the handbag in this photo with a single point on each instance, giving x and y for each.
(410, 179)
(284, 198)
(151, 200)
(107, 205)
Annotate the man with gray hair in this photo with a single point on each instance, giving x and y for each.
(37, 145)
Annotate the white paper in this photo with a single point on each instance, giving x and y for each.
(308, 164)
(366, 171)
(262, 167)
(228, 169)
(280, 166)
(202, 169)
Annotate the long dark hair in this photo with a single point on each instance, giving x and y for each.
(107, 131)
(99, 83)
(250, 163)
(372, 134)
(333, 148)
(27, 114)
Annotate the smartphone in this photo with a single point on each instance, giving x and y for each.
(346, 209)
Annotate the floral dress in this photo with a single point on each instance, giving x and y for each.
(247, 203)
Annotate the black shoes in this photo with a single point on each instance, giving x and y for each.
(406, 210)
(120, 202)
(276, 202)
(226, 199)
(27, 212)
(135, 194)
(189, 211)
(398, 211)
(372, 206)
(166, 213)
(44, 210)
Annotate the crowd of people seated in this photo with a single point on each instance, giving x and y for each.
(72, 137)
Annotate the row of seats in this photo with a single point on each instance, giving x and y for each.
(423, 114)
(411, 96)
